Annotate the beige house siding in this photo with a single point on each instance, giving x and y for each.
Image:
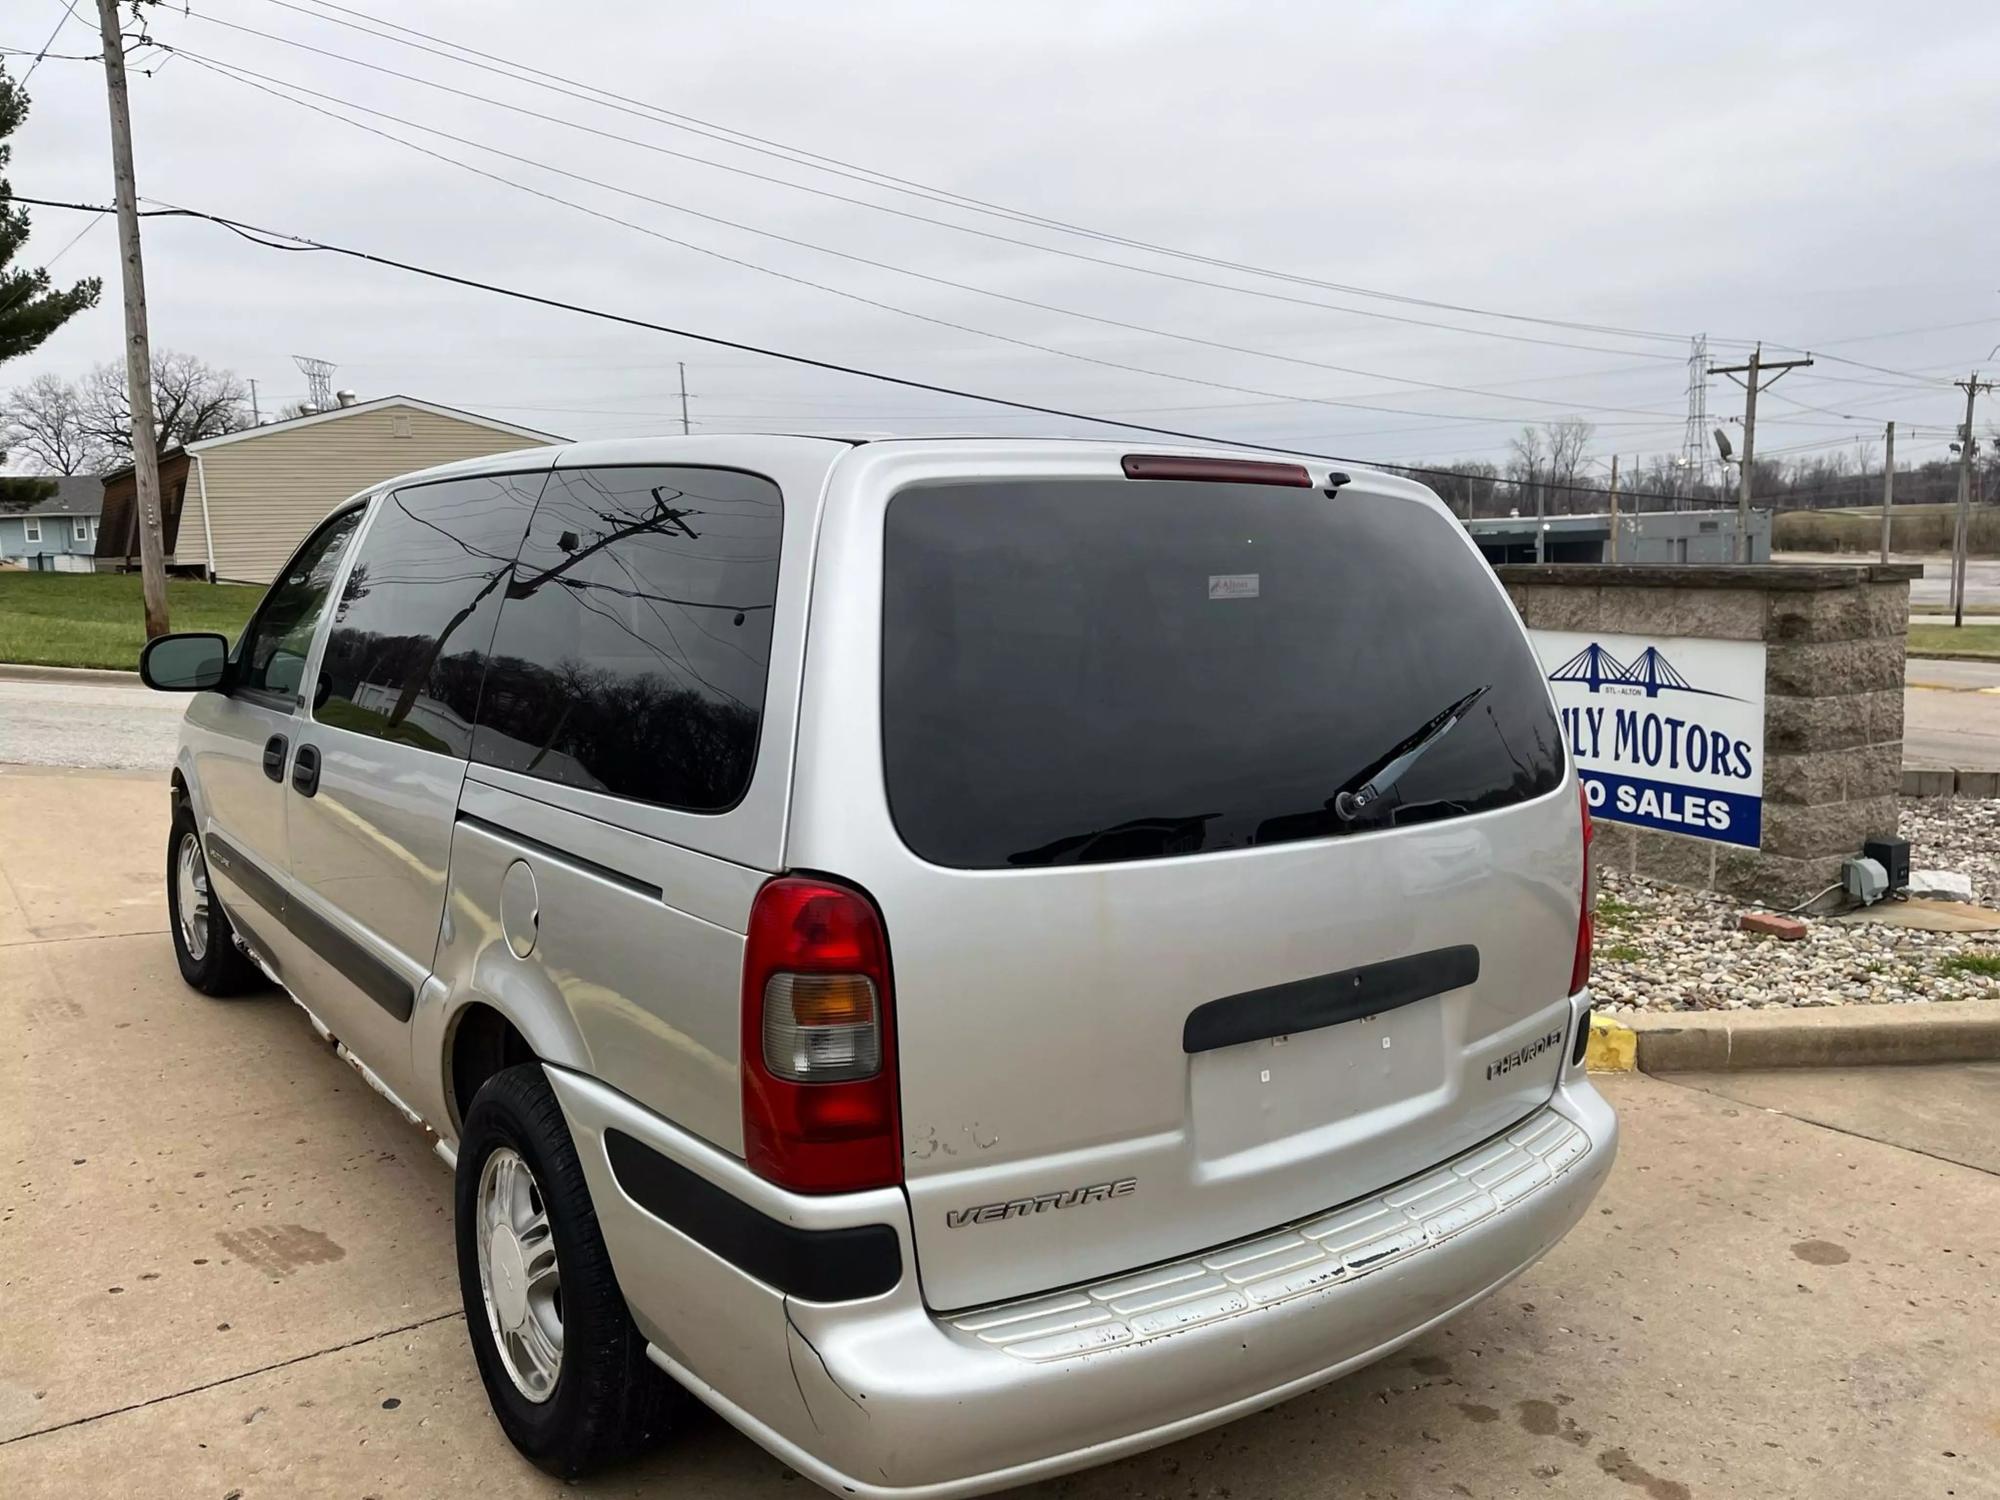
(265, 493)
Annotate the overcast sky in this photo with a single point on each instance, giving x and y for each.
(1819, 175)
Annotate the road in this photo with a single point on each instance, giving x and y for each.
(228, 1270)
(46, 721)
(1951, 714)
(1982, 576)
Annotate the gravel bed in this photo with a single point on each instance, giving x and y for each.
(1662, 947)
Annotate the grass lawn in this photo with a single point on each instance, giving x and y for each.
(1966, 640)
(99, 620)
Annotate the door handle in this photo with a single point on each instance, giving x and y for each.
(305, 770)
(274, 757)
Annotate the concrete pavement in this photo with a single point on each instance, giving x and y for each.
(228, 1270)
(1951, 714)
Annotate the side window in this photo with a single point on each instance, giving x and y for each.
(407, 650)
(271, 657)
(633, 648)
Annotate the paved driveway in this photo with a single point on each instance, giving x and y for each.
(227, 1271)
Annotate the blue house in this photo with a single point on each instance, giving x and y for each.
(57, 531)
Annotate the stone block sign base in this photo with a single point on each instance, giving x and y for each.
(1834, 639)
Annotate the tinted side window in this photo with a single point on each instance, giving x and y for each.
(271, 658)
(632, 651)
(407, 650)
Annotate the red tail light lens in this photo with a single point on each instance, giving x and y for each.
(819, 1058)
(1586, 922)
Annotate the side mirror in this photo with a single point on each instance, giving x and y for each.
(188, 663)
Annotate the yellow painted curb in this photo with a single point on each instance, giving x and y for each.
(1613, 1048)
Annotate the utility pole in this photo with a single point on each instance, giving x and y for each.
(1541, 514)
(1888, 483)
(1754, 370)
(138, 347)
(1614, 507)
(1961, 536)
(684, 398)
(256, 415)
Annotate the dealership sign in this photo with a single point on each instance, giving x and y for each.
(1667, 732)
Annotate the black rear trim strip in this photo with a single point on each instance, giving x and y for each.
(1328, 999)
(821, 1265)
(369, 974)
(631, 883)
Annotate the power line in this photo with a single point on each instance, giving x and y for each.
(800, 156)
(874, 177)
(69, 9)
(271, 239)
(248, 79)
(882, 208)
(247, 75)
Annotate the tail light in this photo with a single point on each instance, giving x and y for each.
(1586, 922)
(819, 1058)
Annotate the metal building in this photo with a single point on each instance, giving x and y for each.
(1666, 536)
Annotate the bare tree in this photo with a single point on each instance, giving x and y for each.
(1568, 445)
(44, 422)
(1550, 459)
(192, 400)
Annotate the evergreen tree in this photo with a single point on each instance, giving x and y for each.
(30, 308)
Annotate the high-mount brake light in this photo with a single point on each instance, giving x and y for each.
(1215, 470)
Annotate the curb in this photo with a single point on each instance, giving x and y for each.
(28, 672)
(1985, 656)
(1932, 781)
(1614, 1046)
(1834, 1036)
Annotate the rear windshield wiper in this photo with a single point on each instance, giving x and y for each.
(1348, 805)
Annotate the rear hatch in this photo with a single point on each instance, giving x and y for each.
(1168, 969)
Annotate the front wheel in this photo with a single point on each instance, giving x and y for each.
(204, 942)
(564, 1366)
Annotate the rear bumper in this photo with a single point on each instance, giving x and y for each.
(880, 1397)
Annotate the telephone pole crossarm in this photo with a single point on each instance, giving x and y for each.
(1753, 381)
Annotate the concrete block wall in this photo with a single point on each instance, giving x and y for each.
(1833, 705)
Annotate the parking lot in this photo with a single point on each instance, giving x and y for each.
(228, 1267)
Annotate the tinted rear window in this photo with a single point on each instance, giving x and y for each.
(1088, 671)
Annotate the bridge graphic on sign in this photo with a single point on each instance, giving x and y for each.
(1594, 667)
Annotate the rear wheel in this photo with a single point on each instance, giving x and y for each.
(204, 942)
(564, 1366)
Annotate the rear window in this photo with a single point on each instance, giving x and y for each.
(1089, 671)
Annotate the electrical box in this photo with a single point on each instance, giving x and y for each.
(1893, 855)
(1864, 880)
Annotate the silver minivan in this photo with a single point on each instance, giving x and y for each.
(971, 957)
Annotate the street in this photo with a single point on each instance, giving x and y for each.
(229, 1268)
(1951, 714)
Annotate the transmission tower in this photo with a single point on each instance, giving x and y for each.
(319, 381)
(1694, 441)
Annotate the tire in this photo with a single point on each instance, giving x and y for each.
(606, 1400)
(219, 968)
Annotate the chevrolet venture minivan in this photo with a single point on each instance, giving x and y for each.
(971, 957)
